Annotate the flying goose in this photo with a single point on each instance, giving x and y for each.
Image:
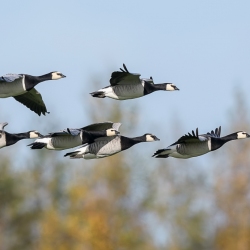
(107, 146)
(70, 138)
(126, 85)
(21, 87)
(7, 139)
(192, 145)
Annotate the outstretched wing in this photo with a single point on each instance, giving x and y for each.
(102, 126)
(215, 133)
(33, 100)
(10, 77)
(73, 131)
(124, 77)
(60, 133)
(2, 125)
(191, 137)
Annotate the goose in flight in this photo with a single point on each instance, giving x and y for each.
(192, 145)
(107, 146)
(21, 87)
(125, 85)
(70, 138)
(7, 139)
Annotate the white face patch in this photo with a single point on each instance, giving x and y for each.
(34, 134)
(111, 132)
(242, 135)
(149, 138)
(57, 75)
(170, 87)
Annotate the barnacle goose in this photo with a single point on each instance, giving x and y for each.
(126, 85)
(107, 146)
(192, 145)
(21, 87)
(70, 138)
(7, 139)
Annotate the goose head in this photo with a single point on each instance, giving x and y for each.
(242, 135)
(171, 87)
(56, 75)
(150, 138)
(112, 132)
(34, 134)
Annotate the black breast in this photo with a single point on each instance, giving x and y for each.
(11, 139)
(148, 88)
(30, 82)
(216, 143)
(126, 143)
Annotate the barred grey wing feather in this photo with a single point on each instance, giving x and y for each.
(73, 131)
(10, 77)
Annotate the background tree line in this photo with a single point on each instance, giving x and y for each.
(128, 201)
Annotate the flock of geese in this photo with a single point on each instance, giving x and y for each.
(102, 139)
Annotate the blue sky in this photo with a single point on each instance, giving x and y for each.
(201, 46)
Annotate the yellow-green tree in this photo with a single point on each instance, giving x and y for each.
(232, 180)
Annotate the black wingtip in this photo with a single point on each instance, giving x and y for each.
(69, 131)
(70, 154)
(124, 66)
(37, 145)
(157, 154)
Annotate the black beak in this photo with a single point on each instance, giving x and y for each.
(40, 135)
(175, 88)
(247, 135)
(156, 138)
(63, 76)
(117, 132)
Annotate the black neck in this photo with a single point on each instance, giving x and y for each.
(229, 137)
(90, 136)
(32, 81)
(218, 142)
(13, 138)
(160, 86)
(149, 88)
(127, 142)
